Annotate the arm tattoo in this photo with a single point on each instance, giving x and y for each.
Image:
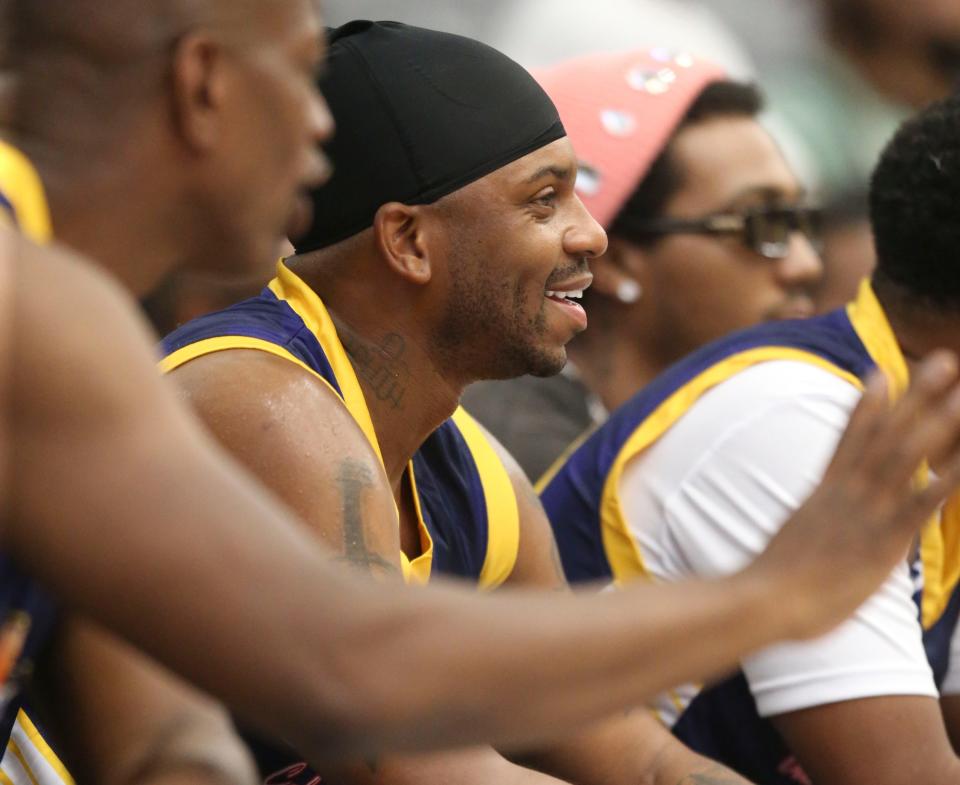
(354, 479)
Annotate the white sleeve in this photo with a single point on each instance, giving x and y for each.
(762, 464)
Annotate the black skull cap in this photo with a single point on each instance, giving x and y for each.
(419, 114)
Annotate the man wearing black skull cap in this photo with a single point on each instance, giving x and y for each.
(448, 247)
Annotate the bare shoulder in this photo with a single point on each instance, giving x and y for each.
(292, 430)
(247, 388)
(258, 404)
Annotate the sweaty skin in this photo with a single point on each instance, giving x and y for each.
(276, 418)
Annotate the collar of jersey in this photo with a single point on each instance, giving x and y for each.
(20, 184)
(941, 535)
(872, 326)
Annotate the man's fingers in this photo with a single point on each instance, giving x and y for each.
(941, 487)
(864, 423)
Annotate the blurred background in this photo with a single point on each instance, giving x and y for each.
(839, 75)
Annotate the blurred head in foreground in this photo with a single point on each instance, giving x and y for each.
(171, 133)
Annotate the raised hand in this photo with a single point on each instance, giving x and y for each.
(869, 508)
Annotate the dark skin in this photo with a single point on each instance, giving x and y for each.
(221, 100)
(333, 691)
(181, 539)
(174, 77)
(388, 290)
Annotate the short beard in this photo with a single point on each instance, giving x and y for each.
(483, 342)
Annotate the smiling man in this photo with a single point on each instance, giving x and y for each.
(693, 475)
(121, 505)
(701, 210)
(456, 251)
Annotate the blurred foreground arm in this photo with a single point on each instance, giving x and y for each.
(124, 506)
(123, 720)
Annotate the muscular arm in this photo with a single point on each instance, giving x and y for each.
(293, 432)
(950, 705)
(127, 509)
(624, 750)
(123, 720)
(887, 740)
(296, 435)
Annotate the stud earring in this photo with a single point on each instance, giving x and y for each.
(629, 291)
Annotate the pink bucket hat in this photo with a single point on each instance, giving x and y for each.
(619, 110)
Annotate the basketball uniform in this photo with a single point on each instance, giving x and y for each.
(583, 497)
(468, 517)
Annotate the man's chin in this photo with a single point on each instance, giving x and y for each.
(548, 364)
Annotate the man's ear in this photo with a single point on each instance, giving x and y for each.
(401, 239)
(620, 274)
(199, 90)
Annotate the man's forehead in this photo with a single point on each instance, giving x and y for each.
(556, 160)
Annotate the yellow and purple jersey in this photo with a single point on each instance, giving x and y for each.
(583, 499)
(23, 203)
(468, 515)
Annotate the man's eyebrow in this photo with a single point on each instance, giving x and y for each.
(552, 170)
(768, 194)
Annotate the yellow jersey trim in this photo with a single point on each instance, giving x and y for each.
(43, 748)
(621, 548)
(20, 184)
(503, 516)
(225, 342)
(940, 538)
(871, 324)
(541, 484)
(305, 302)
(417, 571)
(21, 759)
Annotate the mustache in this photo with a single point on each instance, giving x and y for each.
(578, 267)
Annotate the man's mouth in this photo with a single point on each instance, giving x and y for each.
(563, 297)
(566, 295)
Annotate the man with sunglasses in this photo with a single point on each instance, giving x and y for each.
(701, 211)
(693, 475)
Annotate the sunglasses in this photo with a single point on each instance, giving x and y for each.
(765, 229)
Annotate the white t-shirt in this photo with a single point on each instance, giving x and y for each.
(706, 498)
